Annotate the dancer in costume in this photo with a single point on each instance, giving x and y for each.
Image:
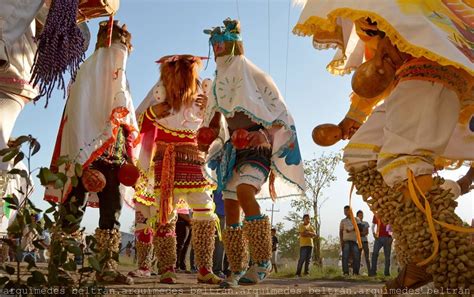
(265, 149)
(98, 130)
(171, 169)
(427, 89)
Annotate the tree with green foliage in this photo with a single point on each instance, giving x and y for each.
(319, 174)
(289, 239)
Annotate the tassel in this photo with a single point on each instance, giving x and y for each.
(271, 185)
(60, 48)
(167, 184)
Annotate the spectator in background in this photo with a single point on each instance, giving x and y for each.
(307, 233)
(135, 253)
(45, 242)
(219, 254)
(183, 236)
(29, 236)
(274, 250)
(128, 249)
(348, 238)
(383, 238)
(364, 232)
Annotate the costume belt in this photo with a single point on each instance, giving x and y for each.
(169, 153)
(452, 78)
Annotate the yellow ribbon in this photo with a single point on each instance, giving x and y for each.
(354, 223)
(427, 212)
(413, 187)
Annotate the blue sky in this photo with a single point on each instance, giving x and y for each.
(162, 27)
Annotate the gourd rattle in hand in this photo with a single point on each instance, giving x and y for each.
(327, 134)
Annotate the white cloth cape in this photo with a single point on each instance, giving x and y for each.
(240, 86)
(99, 102)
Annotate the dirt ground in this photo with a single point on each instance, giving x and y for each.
(187, 286)
(273, 286)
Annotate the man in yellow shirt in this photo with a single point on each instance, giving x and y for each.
(307, 233)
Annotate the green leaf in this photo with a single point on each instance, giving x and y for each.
(74, 208)
(46, 176)
(33, 206)
(86, 270)
(38, 277)
(78, 169)
(63, 177)
(10, 269)
(27, 216)
(10, 155)
(63, 257)
(19, 158)
(3, 280)
(70, 266)
(70, 241)
(58, 184)
(7, 150)
(70, 218)
(14, 227)
(74, 181)
(62, 160)
(47, 222)
(90, 239)
(22, 139)
(94, 263)
(35, 146)
(74, 249)
(12, 200)
(50, 210)
(20, 172)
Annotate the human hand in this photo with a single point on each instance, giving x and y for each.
(204, 148)
(348, 127)
(465, 183)
(161, 110)
(201, 101)
(257, 138)
(389, 53)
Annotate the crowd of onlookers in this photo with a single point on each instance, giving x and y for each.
(27, 244)
(352, 249)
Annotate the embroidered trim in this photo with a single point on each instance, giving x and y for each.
(422, 69)
(399, 163)
(185, 133)
(316, 26)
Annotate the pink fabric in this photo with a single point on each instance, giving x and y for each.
(183, 211)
